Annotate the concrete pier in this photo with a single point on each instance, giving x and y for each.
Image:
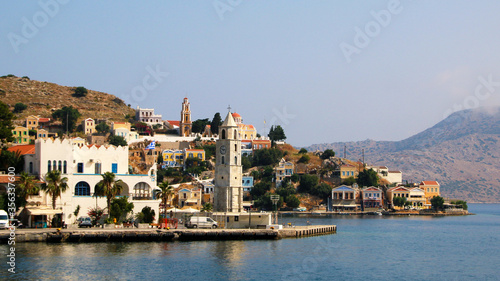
(156, 235)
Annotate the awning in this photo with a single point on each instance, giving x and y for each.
(46, 212)
(192, 201)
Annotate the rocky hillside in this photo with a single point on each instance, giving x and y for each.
(462, 152)
(42, 98)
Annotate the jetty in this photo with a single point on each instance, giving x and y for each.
(92, 235)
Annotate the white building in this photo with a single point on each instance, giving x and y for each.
(148, 116)
(83, 166)
(395, 177)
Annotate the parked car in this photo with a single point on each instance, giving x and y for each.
(4, 219)
(195, 222)
(84, 222)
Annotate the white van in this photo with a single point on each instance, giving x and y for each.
(195, 222)
(4, 219)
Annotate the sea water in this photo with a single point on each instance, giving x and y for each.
(364, 248)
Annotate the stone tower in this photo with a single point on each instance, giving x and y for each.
(228, 195)
(185, 124)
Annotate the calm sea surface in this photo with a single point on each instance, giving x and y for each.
(372, 248)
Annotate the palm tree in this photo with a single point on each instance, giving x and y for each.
(55, 185)
(164, 194)
(109, 187)
(27, 185)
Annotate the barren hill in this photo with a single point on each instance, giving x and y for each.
(42, 98)
(462, 152)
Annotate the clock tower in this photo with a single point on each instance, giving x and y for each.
(228, 195)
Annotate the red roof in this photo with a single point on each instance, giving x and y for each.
(398, 188)
(6, 179)
(429, 183)
(174, 123)
(250, 126)
(23, 149)
(236, 115)
(262, 141)
(43, 120)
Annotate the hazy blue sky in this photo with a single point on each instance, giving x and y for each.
(410, 63)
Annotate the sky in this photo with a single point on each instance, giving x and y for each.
(326, 71)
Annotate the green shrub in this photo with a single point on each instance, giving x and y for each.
(80, 92)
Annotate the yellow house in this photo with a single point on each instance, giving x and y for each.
(21, 135)
(398, 191)
(32, 122)
(42, 134)
(173, 158)
(431, 189)
(245, 132)
(347, 171)
(194, 153)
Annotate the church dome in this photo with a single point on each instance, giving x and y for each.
(236, 115)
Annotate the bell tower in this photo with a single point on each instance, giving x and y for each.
(185, 124)
(228, 191)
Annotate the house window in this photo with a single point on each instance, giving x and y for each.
(65, 167)
(200, 156)
(49, 166)
(114, 168)
(82, 189)
(59, 167)
(80, 168)
(236, 218)
(54, 165)
(97, 168)
(31, 167)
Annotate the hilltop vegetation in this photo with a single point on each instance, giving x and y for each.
(43, 98)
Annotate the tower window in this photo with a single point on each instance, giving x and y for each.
(223, 134)
(235, 147)
(235, 160)
(222, 160)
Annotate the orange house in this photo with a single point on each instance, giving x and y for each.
(431, 189)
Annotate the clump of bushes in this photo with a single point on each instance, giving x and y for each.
(80, 92)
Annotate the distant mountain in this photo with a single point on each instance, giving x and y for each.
(462, 152)
(42, 98)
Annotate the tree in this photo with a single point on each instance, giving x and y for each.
(399, 201)
(207, 207)
(120, 207)
(80, 92)
(27, 185)
(146, 215)
(19, 107)
(461, 203)
(55, 185)
(216, 122)
(295, 178)
(437, 202)
(260, 189)
(109, 187)
(68, 117)
(302, 151)
(102, 128)
(199, 125)
(164, 194)
(262, 157)
(117, 141)
(321, 190)
(349, 181)
(367, 178)
(276, 134)
(292, 201)
(6, 125)
(327, 154)
(11, 159)
(304, 159)
(246, 162)
(307, 183)
(95, 214)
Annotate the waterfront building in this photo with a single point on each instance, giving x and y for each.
(372, 198)
(344, 198)
(190, 197)
(431, 189)
(398, 191)
(417, 197)
(185, 125)
(83, 166)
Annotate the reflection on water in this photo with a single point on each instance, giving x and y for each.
(376, 248)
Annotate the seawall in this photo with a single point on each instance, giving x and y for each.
(156, 235)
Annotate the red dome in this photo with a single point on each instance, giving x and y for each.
(236, 115)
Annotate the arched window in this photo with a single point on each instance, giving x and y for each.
(235, 135)
(59, 167)
(223, 134)
(31, 167)
(222, 160)
(82, 189)
(235, 147)
(65, 167)
(142, 191)
(49, 166)
(54, 165)
(235, 160)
